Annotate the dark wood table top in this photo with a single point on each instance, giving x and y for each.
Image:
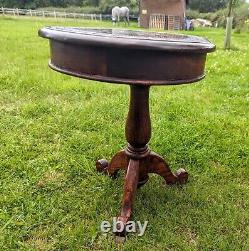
(127, 56)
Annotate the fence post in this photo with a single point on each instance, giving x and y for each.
(54, 14)
(100, 17)
(17, 11)
(30, 12)
(43, 14)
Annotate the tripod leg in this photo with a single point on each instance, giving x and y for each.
(159, 166)
(119, 161)
(130, 188)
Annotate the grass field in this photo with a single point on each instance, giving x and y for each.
(53, 127)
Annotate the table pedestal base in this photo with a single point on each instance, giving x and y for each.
(137, 159)
(137, 171)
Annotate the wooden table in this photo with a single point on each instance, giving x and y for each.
(141, 60)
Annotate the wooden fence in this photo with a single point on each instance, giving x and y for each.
(162, 21)
(51, 14)
(158, 21)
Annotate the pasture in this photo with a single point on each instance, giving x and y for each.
(53, 127)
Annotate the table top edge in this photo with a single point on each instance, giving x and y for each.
(124, 42)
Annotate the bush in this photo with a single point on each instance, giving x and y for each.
(240, 13)
(107, 5)
(75, 9)
(241, 17)
(192, 14)
(104, 7)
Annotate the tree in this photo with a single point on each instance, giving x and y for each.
(205, 6)
(107, 5)
(229, 26)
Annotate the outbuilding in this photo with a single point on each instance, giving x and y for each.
(163, 14)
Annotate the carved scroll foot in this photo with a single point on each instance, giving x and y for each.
(137, 167)
(119, 161)
(159, 166)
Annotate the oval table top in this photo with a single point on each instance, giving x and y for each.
(127, 56)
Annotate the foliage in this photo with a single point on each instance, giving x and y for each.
(53, 127)
(207, 5)
(107, 5)
(84, 6)
(192, 14)
(218, 16)
(38, 3)
(75, 9)
(240, 13)
(104, 5)
(241, 18)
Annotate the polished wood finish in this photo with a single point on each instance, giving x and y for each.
(127, 57)
(140, 59)
(138, 125)
(130, 188)
(137, 159)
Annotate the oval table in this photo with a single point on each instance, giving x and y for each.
(141, 60)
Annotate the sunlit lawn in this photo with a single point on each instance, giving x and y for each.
(53, 127)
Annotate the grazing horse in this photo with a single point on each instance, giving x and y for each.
(123, 12)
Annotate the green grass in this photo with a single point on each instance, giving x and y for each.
(53, 127)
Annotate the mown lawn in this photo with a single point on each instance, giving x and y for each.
(53, 127)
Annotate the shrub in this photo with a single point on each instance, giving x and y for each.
(241, 17)
(75, 9)
(107, 5)
(240, 13)
(192, 14)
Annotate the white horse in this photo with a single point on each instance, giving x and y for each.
(123, 12)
